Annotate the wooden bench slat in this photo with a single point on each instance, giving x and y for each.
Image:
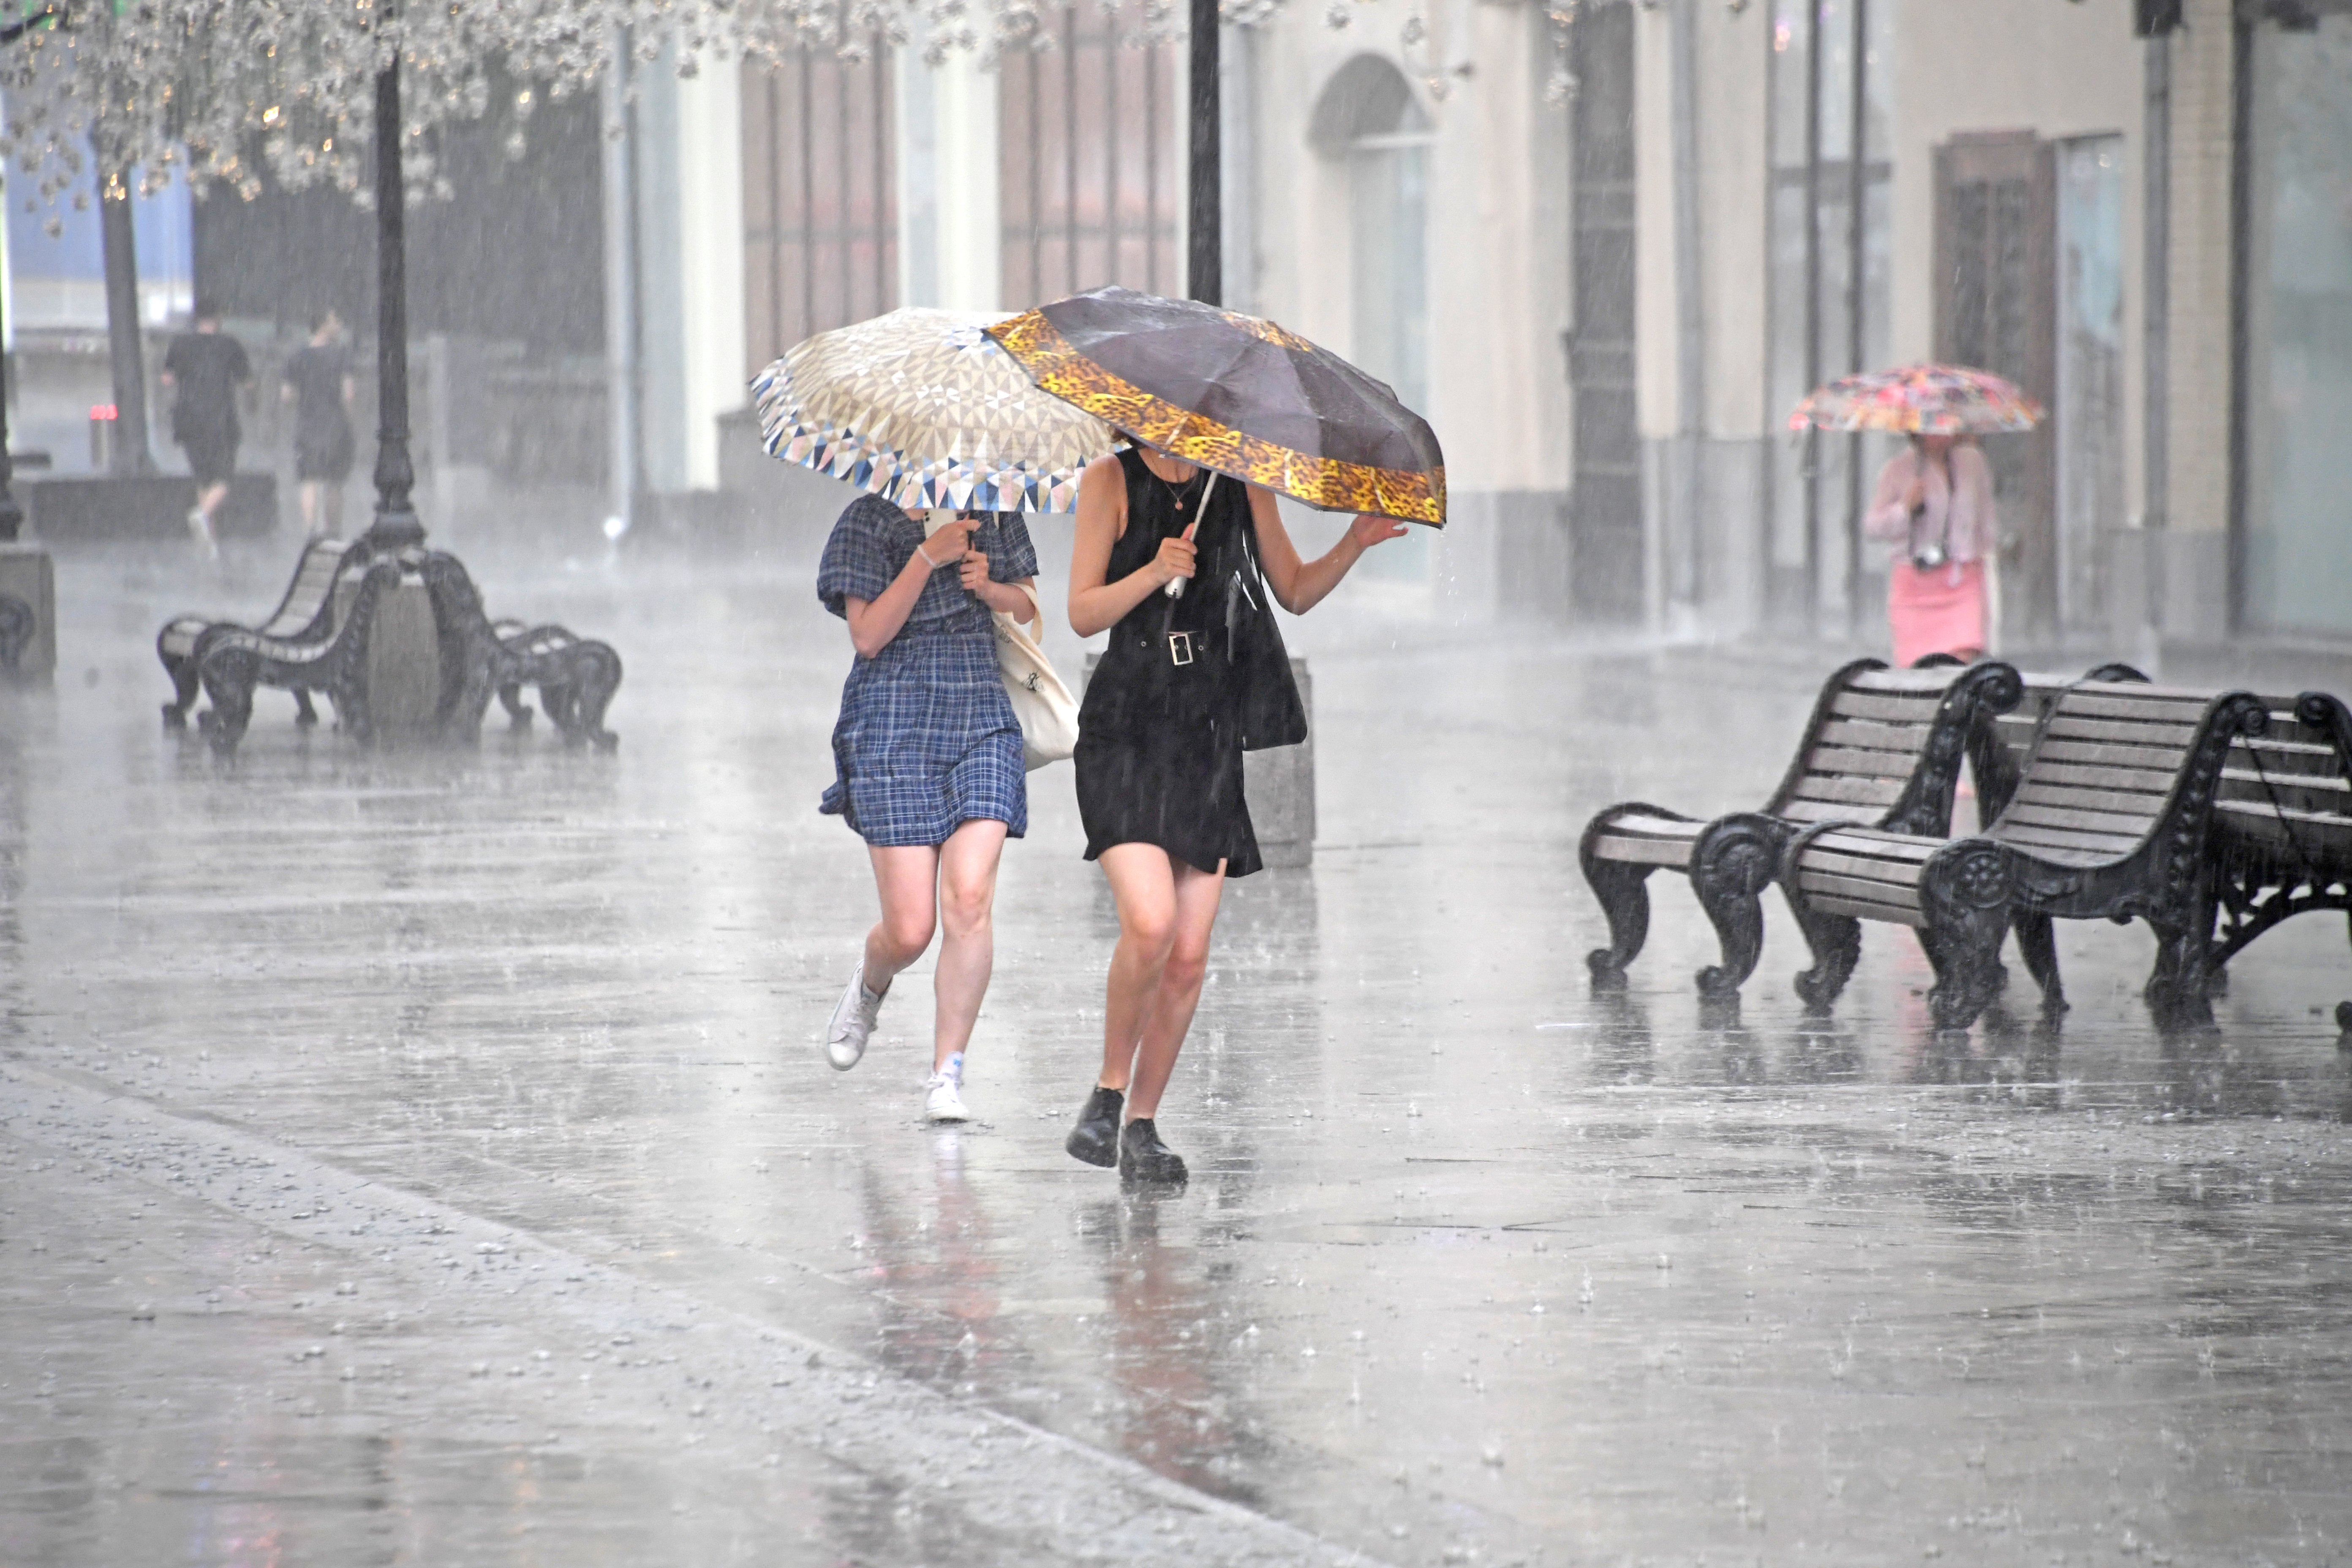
(1893, 914)
(1803, 810)
(1852, 790)
(1928, 682)
(2121, 824)
(1643, 851)
(2029, 836)
(1846, 760)
(2108, 753)
(2306, 807)
(2064, 725)
(1668, 827)
(2042, 792)
(2184, 708)
(1863, 888)
(2308, 787)
(2102, 777)
(1817, 858)
(2274, 744)
(1870, 841)
(1867, 735)
(2255, 811)
(1853, 704)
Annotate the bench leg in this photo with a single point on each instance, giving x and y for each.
(347, 689)
(595, 675)
(1625, 903)
(1836, 944)
(1964, 894)
(1731, 864)
(1625, 900)
(184, 686)
(519, 712)
(2037, 943)
(229, 674)
(2177, 990)
(304, 714)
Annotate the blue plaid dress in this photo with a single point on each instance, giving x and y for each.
(926, 740)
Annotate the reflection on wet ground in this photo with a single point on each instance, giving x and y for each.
(1475, 1265)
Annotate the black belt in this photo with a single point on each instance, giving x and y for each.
(1182, 647)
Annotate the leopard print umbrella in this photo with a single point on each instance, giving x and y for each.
(1235, 394)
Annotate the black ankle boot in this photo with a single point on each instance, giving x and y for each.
(1094, 1138)
(1143, 1157)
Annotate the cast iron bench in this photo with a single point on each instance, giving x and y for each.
(576, 675)
(2282, 840)
(233, 660)
(2283, 822)
(307, 614)
(1886, 742)
(2111, 817)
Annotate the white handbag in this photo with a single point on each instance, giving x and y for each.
(1048, 713)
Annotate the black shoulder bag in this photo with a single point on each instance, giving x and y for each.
(1271, 712)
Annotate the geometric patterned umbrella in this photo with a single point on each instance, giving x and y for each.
(1919, 400)
(920, 407)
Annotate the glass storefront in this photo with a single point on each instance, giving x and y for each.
(2298, 428)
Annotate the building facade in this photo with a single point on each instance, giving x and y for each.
(1607, 298)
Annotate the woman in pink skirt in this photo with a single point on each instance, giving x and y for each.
(1936, 501)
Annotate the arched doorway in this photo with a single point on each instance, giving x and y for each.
(1368, 118)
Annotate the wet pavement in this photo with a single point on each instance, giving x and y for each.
(423, 1156)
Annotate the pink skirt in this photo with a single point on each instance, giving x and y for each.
(1937, 611)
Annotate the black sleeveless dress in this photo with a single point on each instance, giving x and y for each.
(1159, 736)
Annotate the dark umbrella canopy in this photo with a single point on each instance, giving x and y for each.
(1235, 394)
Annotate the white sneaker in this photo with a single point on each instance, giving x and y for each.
(853, 1022)
(943, 1101)
(200, 529)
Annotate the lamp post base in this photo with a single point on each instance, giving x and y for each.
(392, 531)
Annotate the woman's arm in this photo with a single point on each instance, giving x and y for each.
(1096, 605)
(1004, 598)
(1299, 585)
(1889, 516)
(873, 622)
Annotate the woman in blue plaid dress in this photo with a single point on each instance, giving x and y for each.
(927, 756)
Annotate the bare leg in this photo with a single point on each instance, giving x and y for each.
(907, 877)
(968, 948)
(309, 491)
(208, 501)
(1167, 911)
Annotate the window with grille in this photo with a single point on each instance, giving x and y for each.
(820, 209)
(1090, 170)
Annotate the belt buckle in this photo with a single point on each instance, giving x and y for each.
(1179, 648)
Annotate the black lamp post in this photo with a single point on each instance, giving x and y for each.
(1205, 218)
(396, 526)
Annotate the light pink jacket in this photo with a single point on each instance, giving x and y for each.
(1964, 520)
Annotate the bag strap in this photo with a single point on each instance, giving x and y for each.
(1036, 630)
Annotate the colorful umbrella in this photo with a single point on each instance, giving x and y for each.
(1919, 400)
(921, 409)
(1237, 394)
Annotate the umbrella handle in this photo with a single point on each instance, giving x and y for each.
(1175, 589)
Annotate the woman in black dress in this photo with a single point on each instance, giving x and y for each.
(1160, 736)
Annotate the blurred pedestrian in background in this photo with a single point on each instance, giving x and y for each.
(928, 752)
(318, 382)
(1935, 500)
(205, 368)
